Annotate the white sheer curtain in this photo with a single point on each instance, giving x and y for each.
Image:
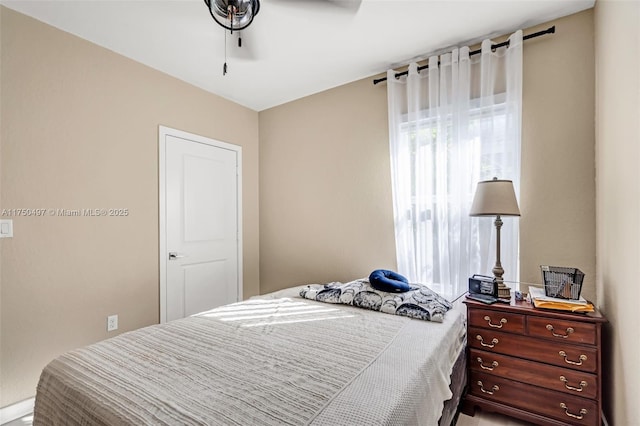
(450, 127)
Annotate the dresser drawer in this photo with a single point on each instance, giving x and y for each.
(503, 321)
(547, 376)
(567, 408)
(558, 353)
(557, 329)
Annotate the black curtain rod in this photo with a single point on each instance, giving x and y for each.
(551, 30)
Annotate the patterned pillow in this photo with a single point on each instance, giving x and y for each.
(420, 302)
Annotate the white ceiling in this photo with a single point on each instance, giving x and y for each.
(293, 48)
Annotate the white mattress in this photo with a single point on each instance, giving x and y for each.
(272, 360)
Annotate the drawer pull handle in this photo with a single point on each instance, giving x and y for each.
(582, 358)
(494, 342)
(583, 411)
(503, 321)
(564, 336)
(582, 385)
(489, 392)
(494, 364)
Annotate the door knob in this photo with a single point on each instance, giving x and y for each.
(173, 255)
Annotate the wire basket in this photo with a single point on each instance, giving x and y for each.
(562, 282)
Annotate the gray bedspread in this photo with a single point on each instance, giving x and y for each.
(280, 361)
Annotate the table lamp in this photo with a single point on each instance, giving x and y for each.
(496, 198)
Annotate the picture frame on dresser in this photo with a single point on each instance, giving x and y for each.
(538, 365)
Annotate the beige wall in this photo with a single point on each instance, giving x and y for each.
(80, 130)
(557, 191)
(617, 46)
(1, 130)
(325, 186)
(325, 205)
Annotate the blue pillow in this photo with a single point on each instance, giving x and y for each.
(389, 281)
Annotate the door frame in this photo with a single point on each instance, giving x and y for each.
(163, 132)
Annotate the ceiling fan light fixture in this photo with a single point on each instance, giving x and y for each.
(233, 14)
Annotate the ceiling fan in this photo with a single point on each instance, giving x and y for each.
(233, 14)
(236, 15)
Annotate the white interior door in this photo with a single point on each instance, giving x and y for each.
(200, 254)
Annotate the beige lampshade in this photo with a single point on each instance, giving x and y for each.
(495, 197)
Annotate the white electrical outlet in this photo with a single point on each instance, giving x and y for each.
(112, 322)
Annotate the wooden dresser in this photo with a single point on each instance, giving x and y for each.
(538, 365)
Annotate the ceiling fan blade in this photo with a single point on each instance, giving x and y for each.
(351, 6)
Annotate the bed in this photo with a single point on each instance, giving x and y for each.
(273, 360)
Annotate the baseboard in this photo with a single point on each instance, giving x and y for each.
(17, 410)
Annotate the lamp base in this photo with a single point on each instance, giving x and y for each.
(504, 292)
